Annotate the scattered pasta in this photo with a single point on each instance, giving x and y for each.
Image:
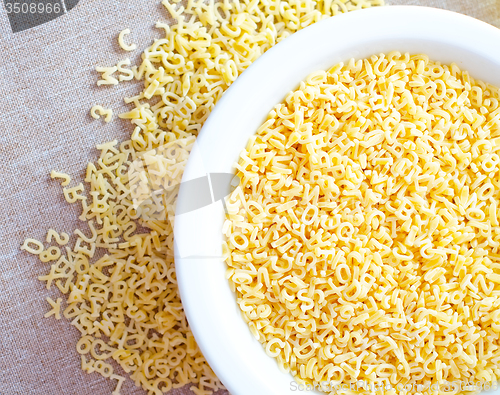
(64, 176)
(106, 78)
(61, 239)
(126, 304)
(97, 111)
(32, 246)
(363, 240)
(126, 74)
(123, 45)
(55, 308)
(206, 50)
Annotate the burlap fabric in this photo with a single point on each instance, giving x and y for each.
(47, 86)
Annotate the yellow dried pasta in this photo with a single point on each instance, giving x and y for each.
(97, 111)
(61, 239)
(55, 308)
(121, 42)
(107, 78)
(126, 304)
(207, 48)
(32, 246)
(363, 240)
(64, 176)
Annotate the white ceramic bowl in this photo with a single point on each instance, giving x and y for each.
(236, 357)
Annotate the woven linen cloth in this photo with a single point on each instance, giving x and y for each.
(47, 86)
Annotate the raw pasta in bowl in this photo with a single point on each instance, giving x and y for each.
(361, 241)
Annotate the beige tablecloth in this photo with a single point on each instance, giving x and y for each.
(47, 86)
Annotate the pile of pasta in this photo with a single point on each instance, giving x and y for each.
(118, 275)
(363, 240)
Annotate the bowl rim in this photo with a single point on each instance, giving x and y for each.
(195, 273)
